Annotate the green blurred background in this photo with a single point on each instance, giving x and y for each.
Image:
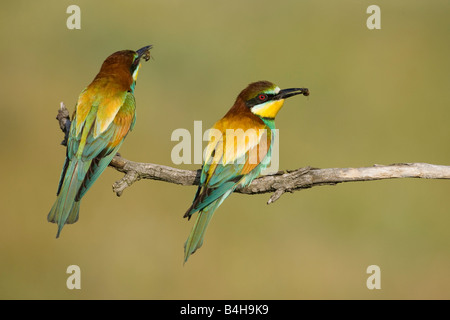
(377, 97)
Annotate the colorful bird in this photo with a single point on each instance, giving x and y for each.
(104, 114)
(240, 148)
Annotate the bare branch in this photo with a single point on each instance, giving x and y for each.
(278, 184)
(64, 122)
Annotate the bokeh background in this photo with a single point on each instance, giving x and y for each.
(377, 97)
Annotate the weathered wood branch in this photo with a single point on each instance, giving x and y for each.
(277, 184)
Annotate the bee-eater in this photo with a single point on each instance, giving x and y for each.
(240, 148)
(104, 114)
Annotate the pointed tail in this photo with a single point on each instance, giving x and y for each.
(66, 207)
(195, 239)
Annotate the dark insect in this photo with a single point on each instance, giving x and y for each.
(146, 55)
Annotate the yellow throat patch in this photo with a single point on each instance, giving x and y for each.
(268, 109)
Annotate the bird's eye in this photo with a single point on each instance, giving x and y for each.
(262, 97)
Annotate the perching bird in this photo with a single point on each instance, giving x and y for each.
(104, 114)
(234, 158)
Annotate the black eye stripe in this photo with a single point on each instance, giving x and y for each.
(260, 98)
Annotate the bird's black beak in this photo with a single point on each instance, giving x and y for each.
(286, 93)
(144, 53)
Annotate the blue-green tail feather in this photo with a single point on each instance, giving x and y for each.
(195, 239)
(65, 209)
